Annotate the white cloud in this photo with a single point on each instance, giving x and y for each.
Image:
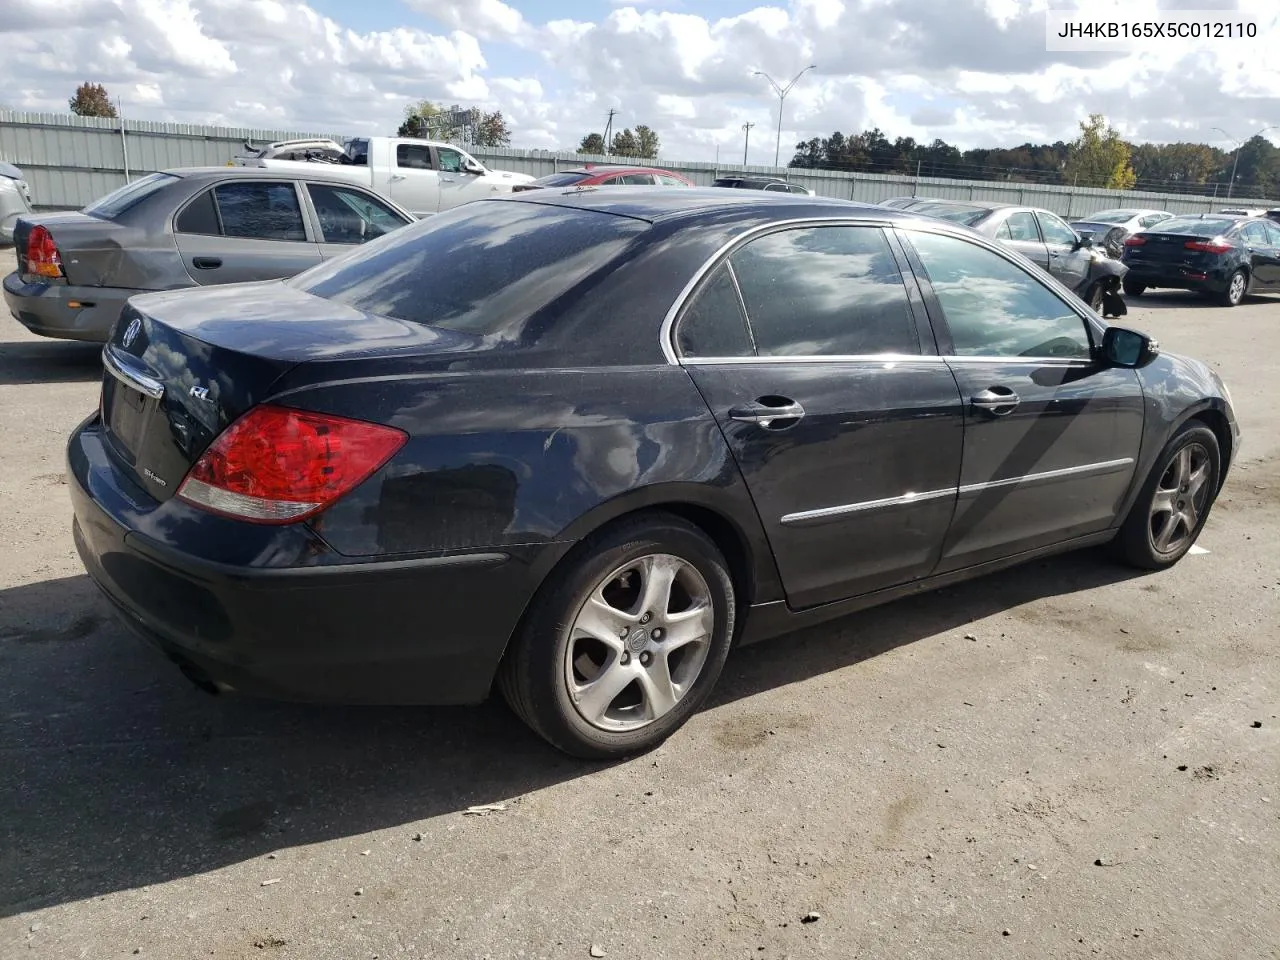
(974, 72)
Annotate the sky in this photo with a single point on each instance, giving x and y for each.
(972, 72)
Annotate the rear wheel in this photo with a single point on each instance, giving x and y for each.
(1134, 289)
(1094, 297)
(625, 641)
(1174, 503)
(1237, 286)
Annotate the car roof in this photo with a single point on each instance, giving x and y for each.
(610, 168)
(751, 176)
(645, 203)
(316, 171)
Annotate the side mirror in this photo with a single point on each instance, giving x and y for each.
(1083, 240)
(1122, 347)
(472, 166)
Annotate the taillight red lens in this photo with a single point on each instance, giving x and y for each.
(1216, 245)
(278, 465)
(43, 258)
(1134, 241)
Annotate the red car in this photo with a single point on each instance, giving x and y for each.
(595, 175)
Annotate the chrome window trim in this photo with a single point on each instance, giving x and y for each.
(842, 510)
(890, 358)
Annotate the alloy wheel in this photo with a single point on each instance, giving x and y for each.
(1236, 291)
(1180, 498)
(639, 642)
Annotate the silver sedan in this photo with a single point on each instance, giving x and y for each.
(183, 228)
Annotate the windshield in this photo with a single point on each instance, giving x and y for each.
(1110, 216)
(561, 179)
(118, 201)
(506, 261)
(1193, 227)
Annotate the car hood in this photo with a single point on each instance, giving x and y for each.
(508, 176)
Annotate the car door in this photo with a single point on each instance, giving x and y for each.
(415, 184)
(348, 216)
(1273, 247)
(457, 185)
(242, 230)
(847, 431)
(1263, 262)
(1068, 261)
(1051, 436)
(1019, 232)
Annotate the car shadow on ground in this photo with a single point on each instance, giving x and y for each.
(120, 774)
(50, 361)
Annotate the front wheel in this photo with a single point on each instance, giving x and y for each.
(1175, 501)
(1133, 288)
(1237, 285)
(625, 641)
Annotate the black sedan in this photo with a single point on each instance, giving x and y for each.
(624, 431)
(1220, 256)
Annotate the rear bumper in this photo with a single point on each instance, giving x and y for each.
(427, 630)
(45, 308)
(1177, 277)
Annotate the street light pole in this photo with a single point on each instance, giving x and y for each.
(1236, 154)
(746, 140)
(782, 98)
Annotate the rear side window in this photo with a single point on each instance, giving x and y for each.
(1022, 227)
(260, 211)
(118, 201)
(714, 325)
(482, 268)
(668, 181)
(825, 291)
(638, 180)
(199, 216)
(1195, 227)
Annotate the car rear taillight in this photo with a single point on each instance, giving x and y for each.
(43, 258)
(279, 465)
(1134, 241)
(1216, 245)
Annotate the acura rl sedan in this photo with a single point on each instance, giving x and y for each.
(623, 432)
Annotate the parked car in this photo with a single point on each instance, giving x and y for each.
(318, 149)
(1273, 215)
(183, 228)
(1045, 239)
(1243, 212)
(15, 201)
(756, 181)
(422, 176)
(588, 459)
(1225, 257)
(1110, 228)
(600, 175)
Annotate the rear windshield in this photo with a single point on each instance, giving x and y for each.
(1110, 216)
(118, 201)
(1187, 226)
(967, 216)
(482, 268)
(561, 179)
(740, 184)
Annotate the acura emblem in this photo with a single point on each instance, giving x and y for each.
(131, 332)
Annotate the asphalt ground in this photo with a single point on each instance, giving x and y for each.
(1062, 760)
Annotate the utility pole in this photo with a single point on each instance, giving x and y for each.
(608, 130)
(782, 99)
(746, 140)
(1236, 154)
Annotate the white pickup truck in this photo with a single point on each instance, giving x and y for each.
(422, 176)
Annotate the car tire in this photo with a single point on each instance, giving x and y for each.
(549, 670)
(1237, 287)
(1172, 507)
(1133, 288)
(1093, 296)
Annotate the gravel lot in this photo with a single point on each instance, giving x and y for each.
(1064, 760)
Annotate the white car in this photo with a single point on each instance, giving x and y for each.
(1244, 211)
(1110, 228)
(15, 201)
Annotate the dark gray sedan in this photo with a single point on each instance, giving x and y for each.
(1042, 237)
(183, 228)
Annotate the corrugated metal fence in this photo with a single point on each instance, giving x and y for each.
(70, 161)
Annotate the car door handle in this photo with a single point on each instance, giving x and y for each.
(448, 179)
(206, 263)
(763, 414)
(996, 400)
(397, 177)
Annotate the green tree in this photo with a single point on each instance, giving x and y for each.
(592, 143)
(91, 100)
(491, 130)
(647, 142)
(1099, 157)
(625, 144)
(427, 120)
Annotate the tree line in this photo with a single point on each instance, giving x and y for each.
(1098, 157)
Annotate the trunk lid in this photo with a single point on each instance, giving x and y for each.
(181, 366)
(1171, 248)
(91, 248)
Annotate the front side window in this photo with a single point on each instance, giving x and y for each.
(713, 325)
(995, 308)
(413, 156)
(450, 160)
(351, 216)
(825, 291)
(258, 210)
(638, 180)
(1055, 231)
(1022, 227)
